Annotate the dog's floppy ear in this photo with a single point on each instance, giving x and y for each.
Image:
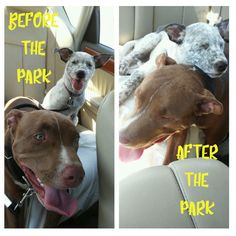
(176, 32)
(207, 103)
(101, 59)
(223, 28)
(13, 117)
(163, 60)
(65, 53)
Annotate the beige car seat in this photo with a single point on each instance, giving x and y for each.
(105, 155)
(151, 198)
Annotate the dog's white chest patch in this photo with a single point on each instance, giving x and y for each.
(64, 157)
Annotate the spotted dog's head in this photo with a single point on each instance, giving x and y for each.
(200, 44)
(80, 67)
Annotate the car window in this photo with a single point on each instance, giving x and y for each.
(107, 26)
(73, 14)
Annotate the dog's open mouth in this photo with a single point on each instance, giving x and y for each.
(53, 199)
(127, 154)
(77, 84)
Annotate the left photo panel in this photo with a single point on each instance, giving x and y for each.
(59, 117)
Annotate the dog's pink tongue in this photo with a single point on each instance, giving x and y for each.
(77, 84)
(59, 201)
(128, 154)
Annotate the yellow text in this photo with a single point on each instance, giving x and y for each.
(37, 76)
(201, 151)
(197, 179)
(199, 208)
(38, 19)
(35, 47)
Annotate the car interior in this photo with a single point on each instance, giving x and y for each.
(80, 29)
(150, 193)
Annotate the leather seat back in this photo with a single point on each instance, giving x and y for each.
(105, 155)
(137, 21)
(151, 198)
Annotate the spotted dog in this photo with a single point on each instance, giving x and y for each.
(68, 95)
(198, 44)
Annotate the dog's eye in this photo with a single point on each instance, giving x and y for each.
(165, 117)
(75, 62)
(169, 118)
(205, 45)
(39, 136)
(89, 64)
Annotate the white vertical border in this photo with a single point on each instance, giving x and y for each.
(116, 126)
(2, 93)
(116, 4)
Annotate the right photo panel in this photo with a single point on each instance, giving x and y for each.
(174, 117)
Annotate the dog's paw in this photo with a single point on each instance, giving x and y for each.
(123, 95)
(136, 79)
(124, 67)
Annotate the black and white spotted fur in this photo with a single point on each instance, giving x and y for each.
(198, 44)
(64, 96)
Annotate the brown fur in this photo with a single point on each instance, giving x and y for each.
(169, 101)
(43, 158)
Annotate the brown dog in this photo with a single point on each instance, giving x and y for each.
(41, 156)
(167, 103)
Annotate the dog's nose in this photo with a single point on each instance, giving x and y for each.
(221, 66)
(72, 175)
(80, 74)
(123, 138)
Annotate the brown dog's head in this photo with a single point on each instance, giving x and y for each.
(44, 145)
(168, 100)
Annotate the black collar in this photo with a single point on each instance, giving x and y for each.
(40, 107)
(16, 172)
(70, 101)
(71, 94)
(14, 169)
(24, 105)
(20, 179)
